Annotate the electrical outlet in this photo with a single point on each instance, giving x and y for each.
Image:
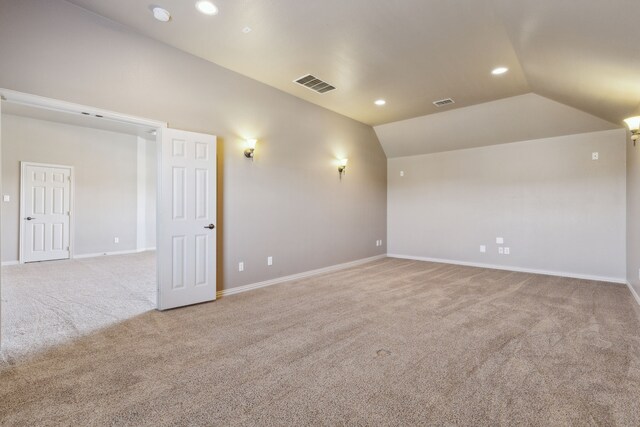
(499, 240)
(6, 198)
(270, 260)
(241, 266)
(507, 251)
(483, 248)
(401, 173)
(595, 155)
(116, 240)
(501, 250)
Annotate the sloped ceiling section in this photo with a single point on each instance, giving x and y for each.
(519, 118)
(583, 53)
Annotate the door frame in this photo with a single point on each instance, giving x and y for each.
(23, 166)
(8, 95)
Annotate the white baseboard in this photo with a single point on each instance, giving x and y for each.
(8, 263)
(145, 250)
(99, 254)
(518, 269)
(634, 293)
(245, 288)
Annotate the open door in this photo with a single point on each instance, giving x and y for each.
(186, 240)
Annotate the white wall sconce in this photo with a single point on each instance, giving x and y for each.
(251, 146)
(342, 167)
(634, 127)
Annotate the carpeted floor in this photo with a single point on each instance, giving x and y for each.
(50, 303)
(392, 342)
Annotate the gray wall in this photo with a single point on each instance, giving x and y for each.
(557, 209)
(289, 203)
(633, 213)
(105, 181)
(151, 166)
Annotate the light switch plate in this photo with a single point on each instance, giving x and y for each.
(270, 260)
(6, 198)
(483, 248)
(499, 240)
(241, 266)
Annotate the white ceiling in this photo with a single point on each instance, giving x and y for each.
(412, 52)
(584, 54)
(520, 118)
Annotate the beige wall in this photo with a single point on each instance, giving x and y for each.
(556, 208)
(105, 181)
(288, 204)
(633, 213)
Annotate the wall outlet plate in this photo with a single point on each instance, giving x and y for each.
(595, 155)
(241, 266)
(507, 251)
(6, 198)
(116, 240)
(401, 173)
(483, 248)
(270, 260)
(501, 250)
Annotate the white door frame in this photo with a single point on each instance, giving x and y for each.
(23, 166)
(7, 95)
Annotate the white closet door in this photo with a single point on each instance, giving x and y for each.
(46, 210)
(186, 217)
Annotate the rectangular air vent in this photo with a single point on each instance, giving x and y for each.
(443, 102)
(314, 83)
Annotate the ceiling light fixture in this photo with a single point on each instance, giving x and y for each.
(634, 127)
(207, 7)
(380, 102)
(499, 70)
(161, 14)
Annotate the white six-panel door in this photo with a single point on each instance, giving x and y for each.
(187, 216)
(45, 213)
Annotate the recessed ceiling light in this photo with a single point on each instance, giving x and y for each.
(161, 14)
(380, 102)
(246, 30)
(499, 70)
(207, 7)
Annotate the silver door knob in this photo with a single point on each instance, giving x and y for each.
(210, 226)
(29, 218)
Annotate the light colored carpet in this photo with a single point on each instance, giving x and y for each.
(392, 342)
(50, 303)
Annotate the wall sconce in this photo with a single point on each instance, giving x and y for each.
(342, 167)
(251, 146)
(634, 127)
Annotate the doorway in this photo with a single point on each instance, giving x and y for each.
(77, 258)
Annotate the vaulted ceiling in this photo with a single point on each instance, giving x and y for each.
(584, 53)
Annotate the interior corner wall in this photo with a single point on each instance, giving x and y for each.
(104, 200)
(633, 213)
(558, 210)
(289, 203)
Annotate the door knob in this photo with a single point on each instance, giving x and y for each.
(210, 226)
(29, 218)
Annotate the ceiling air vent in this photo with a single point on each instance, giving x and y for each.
(314, 83)
(443, 102)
